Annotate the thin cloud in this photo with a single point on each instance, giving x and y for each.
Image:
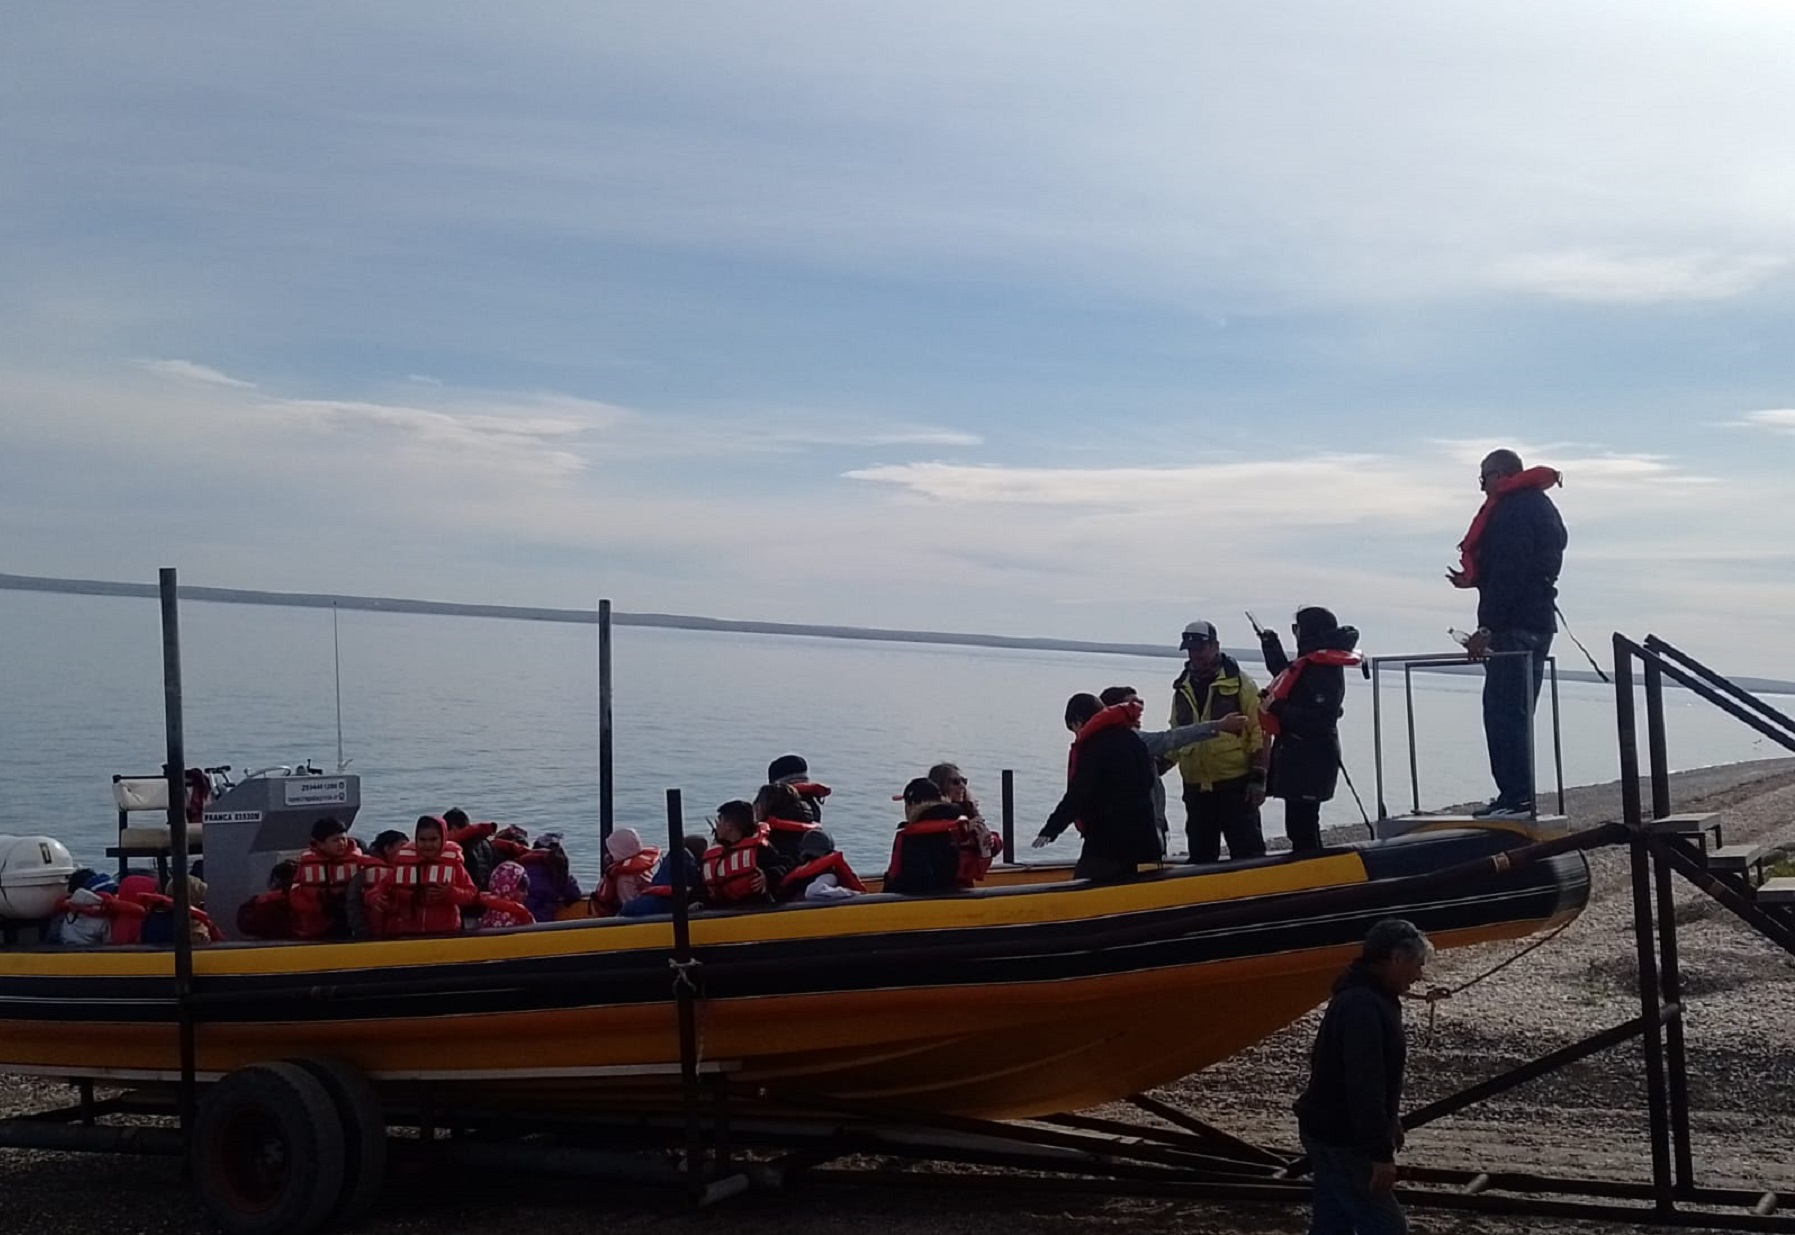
(187, 371)
(1775, 419)
(1601, 278)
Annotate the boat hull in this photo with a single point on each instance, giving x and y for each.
(1021, 1002)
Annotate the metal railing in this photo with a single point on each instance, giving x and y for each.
(1374, 668)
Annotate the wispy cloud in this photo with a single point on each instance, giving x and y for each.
(1604, 278)
(1775, 419)
(187, 371)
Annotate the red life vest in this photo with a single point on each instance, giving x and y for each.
(605, 901)
(1285, 682)
(1541, 478)
(319, 885)
(788, 825)
(402, 909)
(1115, 714)
(832, 863)
(729, 871)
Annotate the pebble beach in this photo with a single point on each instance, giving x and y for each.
(1588, 1120)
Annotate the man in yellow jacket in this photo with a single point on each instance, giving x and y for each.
(1224, 777)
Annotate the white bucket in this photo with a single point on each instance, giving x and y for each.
(34, 875)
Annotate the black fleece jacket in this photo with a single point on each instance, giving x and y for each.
(1355, 1079)
(1518, 560)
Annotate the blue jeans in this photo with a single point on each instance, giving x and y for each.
(1510, 691)
(1344, 1202)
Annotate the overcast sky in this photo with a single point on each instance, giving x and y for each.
(1029, 318)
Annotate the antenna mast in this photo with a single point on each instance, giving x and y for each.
(336, 658)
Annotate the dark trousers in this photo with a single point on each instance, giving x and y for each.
(1510, 690)
(1302, 824)
(1344, 1201)
(1211, 814)
(1103, 867)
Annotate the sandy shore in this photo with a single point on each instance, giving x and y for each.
(1586, 1120)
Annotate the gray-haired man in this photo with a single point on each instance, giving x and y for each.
(1349, 1114)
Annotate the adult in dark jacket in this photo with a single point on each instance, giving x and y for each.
(1512, 556)
(1349, 1115)
(925, 853)
(1302, 708)
(1109, 791)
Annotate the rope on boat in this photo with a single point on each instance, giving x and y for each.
(683, 981)
(1438, 994)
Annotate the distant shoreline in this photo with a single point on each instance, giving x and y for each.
(675, 621)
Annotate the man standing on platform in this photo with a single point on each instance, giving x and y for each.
(1349, 1115)
(1224, 777)
(1512, 556)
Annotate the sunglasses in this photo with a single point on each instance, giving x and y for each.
(956, 780)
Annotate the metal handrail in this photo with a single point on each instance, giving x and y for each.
(1410, 662)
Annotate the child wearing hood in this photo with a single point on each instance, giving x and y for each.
(511, 887)
(1301, 712)
(552, 885)
(627, 876)
(822, 873)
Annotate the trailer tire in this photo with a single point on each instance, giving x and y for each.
(362, 1117)
(267, 1151)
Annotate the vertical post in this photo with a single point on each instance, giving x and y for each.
(176, 767)
(1652, 1037)
(1669, 967)
(1527, 670)
(1557, 733)
(684, 992)
(1009, 815)
(605, 799)
(1377, 734)
(1656, 749)
(1408, 703)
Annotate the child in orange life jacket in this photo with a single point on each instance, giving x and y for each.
(628, 875)
(375, 863)
(741, 868)
(92, 911)
(784, 818)
(792, 770)
(822, 873)
(427, 887)
(505, 903)
(925, 856)
(318, 901)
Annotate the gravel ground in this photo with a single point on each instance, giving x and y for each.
(1586, 1120)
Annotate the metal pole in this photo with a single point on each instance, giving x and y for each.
(1526, 667)
(1377, 734)
(176, 767)
(1408, 700)
(1675, 1046)
(336, 664)
(684, 991)
(1557, 733)
(1652, 1041)
(605, 815)
(1009, 815)
(1656, 748)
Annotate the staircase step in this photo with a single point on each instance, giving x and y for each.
(1736, 859)
(1402, 825)
(1691, 824)
(1778, 891)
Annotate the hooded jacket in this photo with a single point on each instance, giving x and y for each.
(925, 854)
(403, 906)
(1354, 1097)
(1305, 754)
(1226, 756)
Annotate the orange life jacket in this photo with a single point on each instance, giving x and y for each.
(729, 871)
(1541, 478)
(1285, 682)
(832, 863)
(605, 901)
(401, 907)
(316, 898)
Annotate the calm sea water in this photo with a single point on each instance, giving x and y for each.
(500, 717)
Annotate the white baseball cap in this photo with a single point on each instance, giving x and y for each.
(1198, 632)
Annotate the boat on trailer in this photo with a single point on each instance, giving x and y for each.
(1031, 995)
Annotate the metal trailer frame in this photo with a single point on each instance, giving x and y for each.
(724, 1139)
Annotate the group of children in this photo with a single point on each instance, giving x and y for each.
(453, 874)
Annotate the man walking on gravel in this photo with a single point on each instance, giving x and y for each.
(1348, 1116)
(1512, 556)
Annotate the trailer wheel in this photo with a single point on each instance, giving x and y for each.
(362, 1118)
(268, 1151)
